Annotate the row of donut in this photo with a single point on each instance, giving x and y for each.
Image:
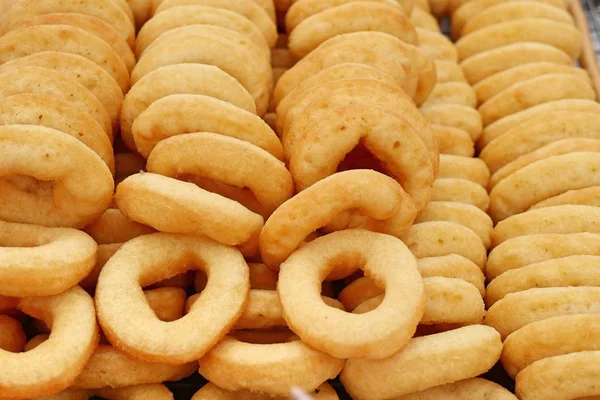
(539, 141)
(65, 70)
(325, 93)
(451, 233)
(229, 89)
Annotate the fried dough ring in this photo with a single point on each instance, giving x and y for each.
(559, 147)
(114, 227)
(390, 138)
(440, 238)
(261, 278)
(467, 389)
(546, 110)
(226, 160)
(548, 378)
(452, 93)
(302, 109)
(549, 338)
(348, 18)
(412, 69)
(12, 336)
(201, 79)
(57, 257)
(492, 85)
(163, 119)
(448, 71)
(262, 51)
(391, 324)
(158, 201)
(391, 211)
(109, 12)
(513, 11)
(82, 71)
(471, 169)
(26, 109)
(183, 281)
(455, 116)
(204, 44)
(463, 214)
(81, 187)
(67, 39)
(447, 301)
(129, 322)
(298, 364)
(490, 62)
(562, 36)
(532, 184)
(557, 219)
(243, 7)
(424, 20)
(588, 196)
(43, 81)
(529, 93)
(138, 392)
(111, 367)
(466, 352)
(141, 10)
(517, 310)
(453, 141)
(358, 292)
(92, 25)
(339, 72)
(300, 78)
(263, 309)
(303, 9)
(213, 392)
(168, 303)
(535, 133)
(437, 45)
(453, 266)
(463, 14)
(68, 348)
(104, 253)
(420, 70)
(560, 272)
(460, 191)
(525, 250)
(177, 17)
(269, 7)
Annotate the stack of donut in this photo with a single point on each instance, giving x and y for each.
(184, 190)
(541, 144)
(64, 70)
(316, 107)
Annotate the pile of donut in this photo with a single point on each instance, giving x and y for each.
(540, 141)
(183, 189)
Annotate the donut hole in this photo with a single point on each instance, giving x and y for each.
(31, 185)
(361, 158)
